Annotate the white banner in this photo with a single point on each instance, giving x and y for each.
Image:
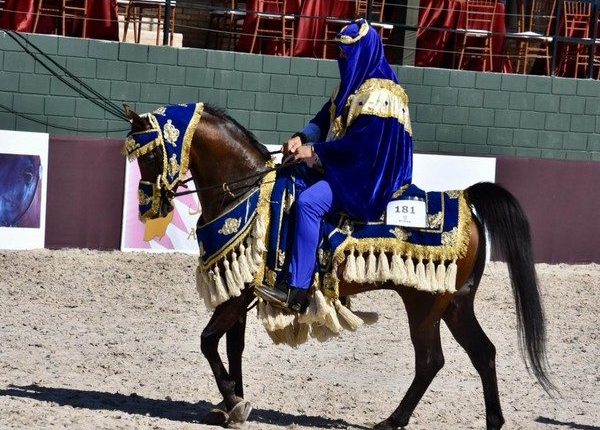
(23, 188)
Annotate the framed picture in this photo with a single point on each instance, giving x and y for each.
(23, 187)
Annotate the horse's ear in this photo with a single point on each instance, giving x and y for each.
(136, 121)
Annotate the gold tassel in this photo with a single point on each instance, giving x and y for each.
(398, 270)
(259, 229)
(371, 267)
(244, 266)
(331, 319)
(202, 286)
(350, 268)
(232, 285)
(450, 281)
(322, 307)
(411, 276)
(361, 269)
(440, 277)
(430, 275)
(383, 268)
(347, 318)
(310, 315)
(250, 259)
(220, 291)
(212, 289)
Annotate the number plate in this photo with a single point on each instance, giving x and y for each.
(407, 213)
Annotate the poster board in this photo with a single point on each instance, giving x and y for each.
(23, 188)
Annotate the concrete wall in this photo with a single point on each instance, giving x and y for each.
(453, 112)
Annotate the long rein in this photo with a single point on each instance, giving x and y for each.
(225, 186)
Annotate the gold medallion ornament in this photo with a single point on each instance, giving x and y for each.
(400, 233)
(173, 166)
(160, 111)
(171, 133)
(230, 226)
(435, 220)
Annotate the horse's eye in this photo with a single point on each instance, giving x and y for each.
(27, 177)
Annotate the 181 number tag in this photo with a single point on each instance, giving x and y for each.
(407, 213)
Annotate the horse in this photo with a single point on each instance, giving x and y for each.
(223, 152)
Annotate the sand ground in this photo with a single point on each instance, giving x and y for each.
(111, 340)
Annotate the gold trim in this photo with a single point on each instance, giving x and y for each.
(378, 97)
(263, 211)
(390, 245)
(347, 40)
(187, 139)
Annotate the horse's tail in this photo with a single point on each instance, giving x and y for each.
(508, 229)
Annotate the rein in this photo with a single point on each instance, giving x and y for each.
(225, 186)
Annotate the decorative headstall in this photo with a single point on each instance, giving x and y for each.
(172, 130)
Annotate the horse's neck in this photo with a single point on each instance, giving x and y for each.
(222, 154)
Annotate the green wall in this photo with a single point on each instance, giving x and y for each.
(452, 111)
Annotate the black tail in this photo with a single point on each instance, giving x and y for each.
(506, 222)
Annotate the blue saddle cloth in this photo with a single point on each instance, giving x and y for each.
(444, 240)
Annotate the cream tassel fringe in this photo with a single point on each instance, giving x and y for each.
(422, 283)
(361, 270)
(244, 266)
(232, 284)
(398, 270)
(202, 286)
(450, 281)
(383, 268)
(250, 258)
(411, 276)
(430, 275)
(235, 269)
(371, 267)
(220, 291)
(350, 268)
(347, 318)
(440, 277)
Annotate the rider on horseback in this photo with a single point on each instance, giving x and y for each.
(367, 158)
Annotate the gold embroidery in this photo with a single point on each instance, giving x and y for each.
(378, 97)
(453, 194)
(143, 198)
(347, 228)
(230, 226)
(324, 257)
(449, 236)
(401, 191)
(435, 220)
(160, 111)
(270, 278)
(400, 233)
(347, 40)
(171, 133)
(173, 166)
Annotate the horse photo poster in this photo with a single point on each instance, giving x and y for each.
(23, 188)
(180, 233)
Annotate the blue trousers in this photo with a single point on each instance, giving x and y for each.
(311, 206)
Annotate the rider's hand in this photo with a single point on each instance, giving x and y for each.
(291, 146)
(306, 154)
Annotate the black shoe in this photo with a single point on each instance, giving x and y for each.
(294, 299)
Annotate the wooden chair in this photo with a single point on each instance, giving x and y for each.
(475, 38)
(578, 18)
(535, 34)
(225, 23)
(74, 10)
(50, 9)
(272, 22)
(135, 12)
(334, 25)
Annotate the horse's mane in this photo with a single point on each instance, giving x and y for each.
(221, 114)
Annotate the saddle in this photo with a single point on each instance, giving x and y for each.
(249, 244)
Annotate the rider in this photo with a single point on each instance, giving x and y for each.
(366, 159)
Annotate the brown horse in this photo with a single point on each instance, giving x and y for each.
(223, 152)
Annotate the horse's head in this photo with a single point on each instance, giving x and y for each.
(145, 144)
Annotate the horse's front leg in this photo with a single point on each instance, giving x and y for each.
(226, 316)
(424, 311)
(235, 348)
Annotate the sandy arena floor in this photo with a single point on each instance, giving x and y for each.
(112, 341)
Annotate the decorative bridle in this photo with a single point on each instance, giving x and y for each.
(165, 137)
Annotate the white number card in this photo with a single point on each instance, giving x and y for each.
(407, 213)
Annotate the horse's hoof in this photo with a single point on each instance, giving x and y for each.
(385, 425)
(239, 414)
(217, 416)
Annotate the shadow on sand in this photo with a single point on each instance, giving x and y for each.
(570, 425)
(167, 409)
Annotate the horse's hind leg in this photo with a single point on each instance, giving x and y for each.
(462, 322)
(424, 322)
(226, 316)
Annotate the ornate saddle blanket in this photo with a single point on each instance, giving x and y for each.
(250, 242)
